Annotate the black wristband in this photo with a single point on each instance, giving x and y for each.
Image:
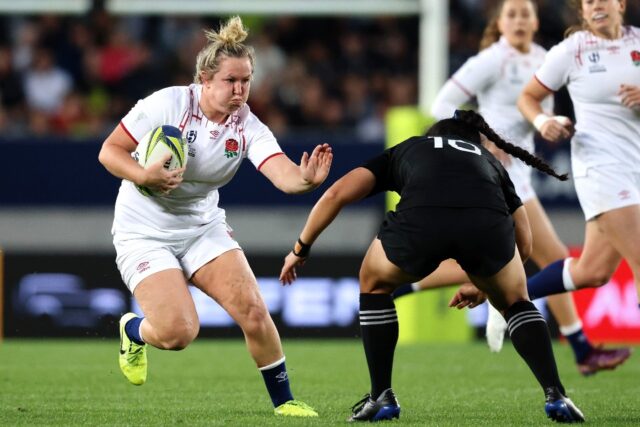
(301, 249)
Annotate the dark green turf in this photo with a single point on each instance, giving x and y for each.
(214, 382)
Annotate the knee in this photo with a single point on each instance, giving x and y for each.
(370, 285)
(255, 319)
(593, 277)
(180, 336)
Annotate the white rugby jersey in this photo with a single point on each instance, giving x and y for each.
(593, 69)
(497, 75)
(215, 152)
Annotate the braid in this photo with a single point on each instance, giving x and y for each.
(476, 121)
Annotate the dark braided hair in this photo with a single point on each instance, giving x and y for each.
(469, 124)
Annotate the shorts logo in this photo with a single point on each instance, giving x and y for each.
(635, 57)
(143, 266)
(231, 148)
(624, 194)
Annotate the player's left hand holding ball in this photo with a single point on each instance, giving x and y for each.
(315, 168)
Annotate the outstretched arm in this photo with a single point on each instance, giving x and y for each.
(297, 179)
(352, 187)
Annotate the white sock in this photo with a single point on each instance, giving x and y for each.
(567, 280)
(272, 365)
(140, 330)
(415, 287)
(571, 329)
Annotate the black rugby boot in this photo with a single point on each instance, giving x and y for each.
(560, 408)
(385, 407)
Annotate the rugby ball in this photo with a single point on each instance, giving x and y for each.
(155, 145)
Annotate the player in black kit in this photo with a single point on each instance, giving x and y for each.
(457, 201)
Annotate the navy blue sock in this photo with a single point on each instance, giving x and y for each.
(547, 282)
(132, 329)
(277, 382)
(403, 290)
(580, 345)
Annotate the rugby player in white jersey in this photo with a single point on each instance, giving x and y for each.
(599, 62)
(496, 76)
(181, 235)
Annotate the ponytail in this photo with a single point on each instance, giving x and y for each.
(491, 34)
(469, 125)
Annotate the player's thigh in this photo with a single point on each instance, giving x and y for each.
(547, 246)
(228, 279)
(505, 287)
(154, 275)
(378, 274)
(166, 302)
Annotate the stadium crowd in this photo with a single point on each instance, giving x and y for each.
(75, 76)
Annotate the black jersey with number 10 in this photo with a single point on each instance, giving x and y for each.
(443, 171)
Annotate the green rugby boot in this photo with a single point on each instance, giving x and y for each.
(133, 357)
(295, 408)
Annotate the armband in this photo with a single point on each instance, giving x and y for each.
(301, 249)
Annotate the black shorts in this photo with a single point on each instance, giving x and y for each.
(416, 240)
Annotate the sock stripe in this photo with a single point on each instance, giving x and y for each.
(522, 318)
(387, 310)
(379, 322)
(379, 317)
(524, 314)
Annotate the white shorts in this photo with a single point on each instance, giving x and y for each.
(606, 188)
(520, 175)
(140, 257)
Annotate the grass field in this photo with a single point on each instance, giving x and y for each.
(214, 382)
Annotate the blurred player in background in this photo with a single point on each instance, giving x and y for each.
(599, 62)
(163, 242)
(496, 76)
(446, 180)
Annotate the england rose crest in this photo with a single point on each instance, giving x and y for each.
(231, 148)
(635, 57)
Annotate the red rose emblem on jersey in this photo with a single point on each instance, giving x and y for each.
(230, 148)
(635, 57)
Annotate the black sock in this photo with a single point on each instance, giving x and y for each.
(530, 337)
(379, 326)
